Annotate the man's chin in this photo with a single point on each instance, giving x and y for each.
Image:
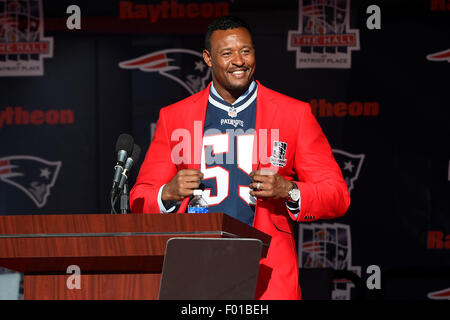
(241, 86)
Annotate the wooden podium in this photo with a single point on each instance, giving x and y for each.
(120, 256)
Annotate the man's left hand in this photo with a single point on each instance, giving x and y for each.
(271, 185)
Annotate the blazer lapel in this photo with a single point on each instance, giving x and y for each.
(266, 112)
(194, 120)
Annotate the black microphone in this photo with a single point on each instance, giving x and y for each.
(128, 164)
(124, 147)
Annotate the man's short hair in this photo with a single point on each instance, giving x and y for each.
(224, 23)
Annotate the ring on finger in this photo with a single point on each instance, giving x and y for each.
(258, 185)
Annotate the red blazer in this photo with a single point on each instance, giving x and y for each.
(309, 163)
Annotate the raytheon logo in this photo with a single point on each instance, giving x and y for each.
(440, 5)
(17, 116)
(438, 240)
(172, 10)
(323, 108)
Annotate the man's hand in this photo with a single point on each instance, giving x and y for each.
(182, 185)
(271, 185)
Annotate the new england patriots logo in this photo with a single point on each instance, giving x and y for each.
(33, 175)
(350, 166)
(184, 66)
(440, 295)
(439, 56)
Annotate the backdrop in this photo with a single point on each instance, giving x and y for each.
(376, 78)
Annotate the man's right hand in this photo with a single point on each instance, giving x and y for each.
(182, 185)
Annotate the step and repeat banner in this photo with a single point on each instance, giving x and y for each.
(74, 75)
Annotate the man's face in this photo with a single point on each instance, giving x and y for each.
(232, 59)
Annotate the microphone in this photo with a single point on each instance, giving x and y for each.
(124, 147)
(128, 164)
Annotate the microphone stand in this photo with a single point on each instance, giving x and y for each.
(123, 197)
(124, 200)
(113, 201)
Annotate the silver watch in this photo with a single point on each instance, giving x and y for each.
(294, 193)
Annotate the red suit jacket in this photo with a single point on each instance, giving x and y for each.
(309, 163)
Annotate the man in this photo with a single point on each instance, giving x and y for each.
(279, 166)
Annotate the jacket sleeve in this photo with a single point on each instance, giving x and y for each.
(156, 170)
(323, 191)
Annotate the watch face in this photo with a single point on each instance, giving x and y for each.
(295, 194)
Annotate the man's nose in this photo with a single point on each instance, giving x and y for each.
(238, 60)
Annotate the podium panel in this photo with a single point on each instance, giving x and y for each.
(210, 269)
(128, 286)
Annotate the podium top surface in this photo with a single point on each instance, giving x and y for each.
(83, 225)
(105, 242)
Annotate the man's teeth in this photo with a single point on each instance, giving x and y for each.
(238, 72)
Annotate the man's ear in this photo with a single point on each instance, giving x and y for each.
(207, 58)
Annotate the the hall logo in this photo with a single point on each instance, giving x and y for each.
(324, 245)
(324, 38)
(32, 175)
(23, 46)
(184, 66)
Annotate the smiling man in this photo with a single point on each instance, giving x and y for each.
(278, 165)
(232, 60)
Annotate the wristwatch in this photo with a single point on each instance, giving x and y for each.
(294, 193)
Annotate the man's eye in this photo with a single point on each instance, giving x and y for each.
(226, 54)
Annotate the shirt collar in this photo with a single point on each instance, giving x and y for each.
(242, 97)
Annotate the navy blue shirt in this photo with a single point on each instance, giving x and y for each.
(227, 154)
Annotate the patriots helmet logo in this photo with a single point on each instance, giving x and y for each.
(33, 175)
(439, 56)
(350, 165)
(440, 295)
(184, 66)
